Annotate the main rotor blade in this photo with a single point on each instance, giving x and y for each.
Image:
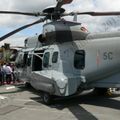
(22, 28)
(93, 13)
(60, 3)
(22, 13)
(66, 1)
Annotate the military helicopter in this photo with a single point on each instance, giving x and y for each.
(66, 59)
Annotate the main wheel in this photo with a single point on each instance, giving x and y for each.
(47, 98)
(27, 85)
(101, 91)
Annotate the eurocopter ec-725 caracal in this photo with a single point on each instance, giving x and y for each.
(66, 59)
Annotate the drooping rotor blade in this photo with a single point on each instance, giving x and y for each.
(22, 13)
(64, 1)
(22, 28)
(93, 13)
(60, 3)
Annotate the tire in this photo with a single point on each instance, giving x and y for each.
(27, 85)
(101, 91)
(47, 98)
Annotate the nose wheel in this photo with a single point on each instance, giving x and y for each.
(46, 98)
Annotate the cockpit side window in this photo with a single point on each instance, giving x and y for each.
(29, 60)
(55, 57)
(19, 60)
(25, 59)
(79, 59)
(46, 59)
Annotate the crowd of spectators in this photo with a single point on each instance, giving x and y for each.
(7, 73)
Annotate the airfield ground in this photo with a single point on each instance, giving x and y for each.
(19, 103)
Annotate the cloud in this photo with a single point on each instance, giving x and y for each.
(33, 5)
(94, 24)
(14, 41)
(108, 5)
(23, 6)
(97, 24)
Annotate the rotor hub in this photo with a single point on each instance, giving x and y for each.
(53, 14)
(51, 10)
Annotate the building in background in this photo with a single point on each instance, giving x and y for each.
(8, 53)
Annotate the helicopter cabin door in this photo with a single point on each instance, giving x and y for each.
(37, 60)
(25, 70)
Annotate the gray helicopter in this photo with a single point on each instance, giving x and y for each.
(66, 59)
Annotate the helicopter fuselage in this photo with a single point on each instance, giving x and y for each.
(63, 69)
(66, 59)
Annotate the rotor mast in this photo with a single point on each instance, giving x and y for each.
(53, 14)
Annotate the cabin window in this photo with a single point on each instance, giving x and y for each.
(46, 59)
(55, 57)
(79, 59)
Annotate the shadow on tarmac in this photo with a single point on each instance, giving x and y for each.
(74, 104)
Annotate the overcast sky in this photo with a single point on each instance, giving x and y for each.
(94, 24)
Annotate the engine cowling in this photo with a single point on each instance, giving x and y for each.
(64, 31)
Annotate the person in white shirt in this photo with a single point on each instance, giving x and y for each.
(3, 73)
(8, 72)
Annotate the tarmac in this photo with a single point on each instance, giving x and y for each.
(20, 103)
